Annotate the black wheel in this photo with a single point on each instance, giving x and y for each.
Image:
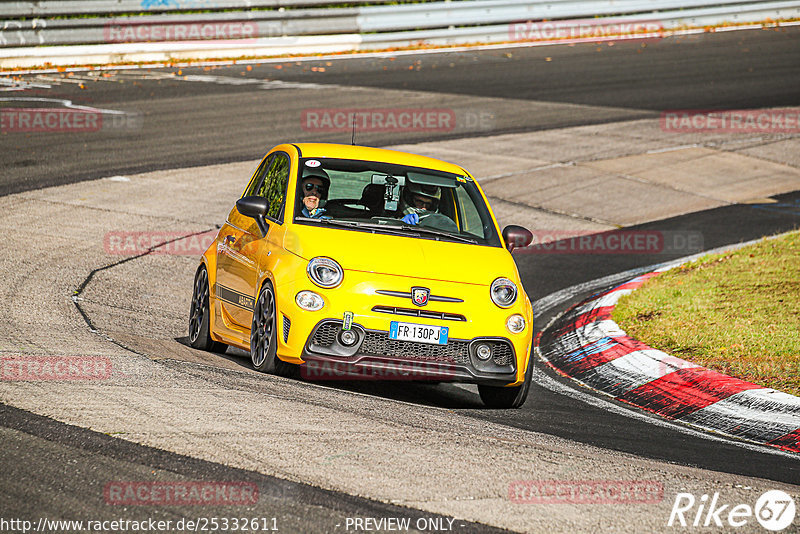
(264, 336)
(199, 316)
(503, 397)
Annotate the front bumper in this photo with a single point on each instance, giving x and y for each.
(376, 357)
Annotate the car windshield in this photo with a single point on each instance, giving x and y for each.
(393, 199)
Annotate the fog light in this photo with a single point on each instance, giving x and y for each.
(483, 352)
(309, 301)
(515, 323)
(347, 338)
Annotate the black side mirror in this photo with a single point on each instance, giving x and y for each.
(257, 208)
(516, 237)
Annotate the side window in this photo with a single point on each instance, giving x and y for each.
(271, 183)
(470, 219)
(258, 178)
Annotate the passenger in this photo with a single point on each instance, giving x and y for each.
(421, 200)
(314, 189)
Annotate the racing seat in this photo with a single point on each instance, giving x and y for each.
(372, 198)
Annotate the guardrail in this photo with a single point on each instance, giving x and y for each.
(34, 32)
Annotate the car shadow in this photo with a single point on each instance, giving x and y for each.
(440, 395)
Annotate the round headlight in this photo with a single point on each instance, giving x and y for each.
(325, 272)
(504, 292)
(515, 323)
(309, 301)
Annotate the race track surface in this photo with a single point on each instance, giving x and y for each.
(199, 117)
(202, 117)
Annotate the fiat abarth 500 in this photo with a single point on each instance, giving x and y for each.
(347, 261)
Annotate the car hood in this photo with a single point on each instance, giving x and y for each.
(402, 256)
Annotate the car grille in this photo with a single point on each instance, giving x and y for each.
(379, 344)
(502, 353)
(427, 314)
(326, 334)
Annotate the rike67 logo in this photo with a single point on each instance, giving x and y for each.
(774, 510)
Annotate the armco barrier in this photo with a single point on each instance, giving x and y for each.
(95, 31)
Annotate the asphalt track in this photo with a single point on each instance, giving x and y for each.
(71, 462)
(189, 123)
(199, 123)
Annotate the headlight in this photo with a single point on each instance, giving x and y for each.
(504, 292)
(309, 301)
(515, 323)
(325, 272)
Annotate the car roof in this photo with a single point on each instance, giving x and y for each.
(330, 150)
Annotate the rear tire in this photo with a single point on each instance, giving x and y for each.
(264, 336)
(200, 316)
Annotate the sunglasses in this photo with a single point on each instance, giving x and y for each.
(310, 187)
(427, 203)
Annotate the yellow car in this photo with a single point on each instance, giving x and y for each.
(348, 262)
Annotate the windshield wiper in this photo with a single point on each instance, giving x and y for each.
(391, 228)
(329, 221)
(387, 229)
(440, 233)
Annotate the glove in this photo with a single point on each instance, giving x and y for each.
(411, 218)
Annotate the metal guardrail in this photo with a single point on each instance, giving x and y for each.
(180, 26)
(52, 8)
(253, 24)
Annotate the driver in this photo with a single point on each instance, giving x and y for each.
(421, 200)
(314, 188)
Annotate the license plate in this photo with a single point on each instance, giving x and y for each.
(436, 335)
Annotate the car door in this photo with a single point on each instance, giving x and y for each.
(241, 247)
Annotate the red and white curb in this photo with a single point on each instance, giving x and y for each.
(586, 345)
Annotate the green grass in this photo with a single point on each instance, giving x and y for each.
(736, 313)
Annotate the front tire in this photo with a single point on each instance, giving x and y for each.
(200, 316)
(264, 336)
(505, 398)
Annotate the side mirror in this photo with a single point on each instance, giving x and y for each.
(257, 208)
(516, 236)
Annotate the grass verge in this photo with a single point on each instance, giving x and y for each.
(736, 313)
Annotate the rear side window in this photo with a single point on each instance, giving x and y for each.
(271, 181)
